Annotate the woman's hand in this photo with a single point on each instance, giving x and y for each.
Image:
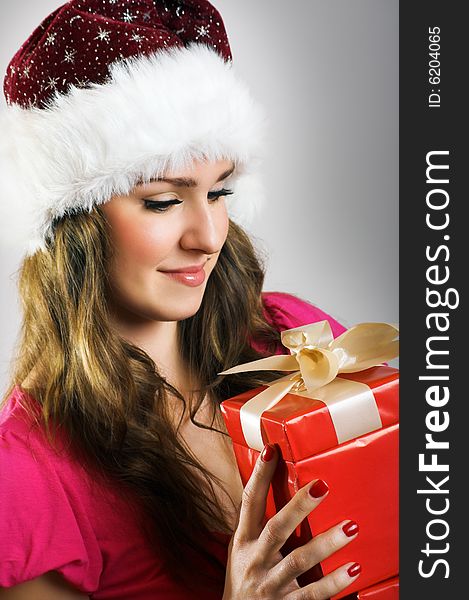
(256, 569)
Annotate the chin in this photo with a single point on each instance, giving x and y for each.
(179, 309)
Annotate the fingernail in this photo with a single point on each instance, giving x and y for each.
(268, 453)
(354, 570)
(350, 528)
(318, 489)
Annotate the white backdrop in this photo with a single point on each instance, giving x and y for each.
(327, 74)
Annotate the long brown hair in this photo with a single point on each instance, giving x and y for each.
(106, 393)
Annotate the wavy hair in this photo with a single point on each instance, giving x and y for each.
(107, 396)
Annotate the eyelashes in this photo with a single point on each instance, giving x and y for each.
(160, 205)
(216, 195)
(164, 205)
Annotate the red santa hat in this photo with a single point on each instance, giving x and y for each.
(108, 93)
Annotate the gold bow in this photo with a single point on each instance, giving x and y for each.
(316, 359)
(320, 357)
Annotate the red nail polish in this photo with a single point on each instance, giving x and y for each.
(354, 570)
(350, 528)
(268, 453)
(318, 489)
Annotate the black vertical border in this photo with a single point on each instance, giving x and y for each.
(424, 129)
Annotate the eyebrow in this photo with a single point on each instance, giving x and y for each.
(186, 181)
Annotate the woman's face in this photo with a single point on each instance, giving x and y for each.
(167, 236)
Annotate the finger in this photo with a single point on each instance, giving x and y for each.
(280, 527)
(255, 495)
(328, 586)
(305, 557)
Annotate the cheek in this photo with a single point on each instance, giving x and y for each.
(137, 243)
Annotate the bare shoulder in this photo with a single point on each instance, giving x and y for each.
(50, 586)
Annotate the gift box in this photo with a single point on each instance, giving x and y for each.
(385, 590)
(344, 432)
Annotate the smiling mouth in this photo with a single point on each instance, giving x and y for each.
(192, 278)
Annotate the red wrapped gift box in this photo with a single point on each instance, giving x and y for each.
(362, 473)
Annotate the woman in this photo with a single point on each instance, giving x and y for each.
(138, 287)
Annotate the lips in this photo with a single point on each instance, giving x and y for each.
(191, 276)
(188, 269)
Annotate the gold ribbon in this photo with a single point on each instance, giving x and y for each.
(316, 359)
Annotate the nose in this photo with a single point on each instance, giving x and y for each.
(205, 227)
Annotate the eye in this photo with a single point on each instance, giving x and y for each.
(216, 195)
(160, 205)
(164, 205)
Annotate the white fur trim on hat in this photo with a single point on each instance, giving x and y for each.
(155, 114)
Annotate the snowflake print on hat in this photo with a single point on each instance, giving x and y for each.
(69, 56)
(132, 26)
(103, 35)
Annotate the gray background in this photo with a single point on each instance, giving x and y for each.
(327, 73)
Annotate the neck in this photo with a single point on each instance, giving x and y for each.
(159, 340)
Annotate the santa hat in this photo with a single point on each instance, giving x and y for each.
(108, 93)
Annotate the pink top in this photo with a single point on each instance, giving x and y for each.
(55, 517)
